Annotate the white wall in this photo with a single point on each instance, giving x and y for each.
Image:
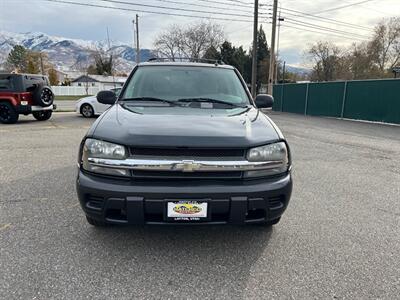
(75, 90)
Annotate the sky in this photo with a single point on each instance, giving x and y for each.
(91, 23)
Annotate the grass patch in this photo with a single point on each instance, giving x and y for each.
(58, 97)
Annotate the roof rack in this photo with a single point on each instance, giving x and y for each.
(187, 59)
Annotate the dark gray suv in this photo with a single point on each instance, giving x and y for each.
(184, 143)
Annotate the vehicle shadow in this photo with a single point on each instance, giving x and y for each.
(181, 260)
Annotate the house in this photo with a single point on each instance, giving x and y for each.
(99, 81)
(66, 76)
(61, 76)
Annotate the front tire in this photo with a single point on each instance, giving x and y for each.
(42, 115)
(8, 115)
(87, 111)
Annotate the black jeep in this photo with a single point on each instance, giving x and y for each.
(25, 94)
(184, 143)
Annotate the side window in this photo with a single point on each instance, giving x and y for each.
(31, 82)
(6, 83)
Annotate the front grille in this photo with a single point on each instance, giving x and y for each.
(188, 152)
(184, 153)
(191, 175)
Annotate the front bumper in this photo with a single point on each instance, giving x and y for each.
(230, 202)
(28, 109)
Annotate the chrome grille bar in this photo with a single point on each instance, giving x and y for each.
(184, 165)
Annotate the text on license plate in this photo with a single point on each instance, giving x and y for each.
(187, 210)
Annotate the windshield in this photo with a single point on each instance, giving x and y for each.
(175, 83)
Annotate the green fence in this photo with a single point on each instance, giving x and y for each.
(372, 100)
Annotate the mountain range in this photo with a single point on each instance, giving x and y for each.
(75, 54)
(71, 54)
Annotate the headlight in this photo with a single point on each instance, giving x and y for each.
(100, 149)
(269, 153)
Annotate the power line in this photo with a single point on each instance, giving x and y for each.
(248, 5)
(312, 25)
(147, 11)
(173, 8)
(344, 6)
(207, 5)
(328, 20)
(241, 2)
(327, 31)
(314, 31)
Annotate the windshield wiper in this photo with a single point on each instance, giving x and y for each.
(149, 99)
(209, 100)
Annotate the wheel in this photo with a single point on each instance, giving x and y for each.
(43, 95)
(42, 115)
(87, 111)
(8, 115)
(95, 223)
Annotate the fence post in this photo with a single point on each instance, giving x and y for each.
(344, 99)
(282, 96)
(306, 104)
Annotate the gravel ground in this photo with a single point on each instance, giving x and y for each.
(339, 238)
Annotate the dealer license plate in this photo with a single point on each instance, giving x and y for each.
(187, 210)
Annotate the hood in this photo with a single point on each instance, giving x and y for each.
(184, 127)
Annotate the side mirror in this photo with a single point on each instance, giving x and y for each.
(264, 101)
(106, 97)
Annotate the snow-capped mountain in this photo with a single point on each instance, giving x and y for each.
(70, 54)
(298, 70)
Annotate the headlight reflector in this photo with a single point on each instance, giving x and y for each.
(276, 152)
(100, 149)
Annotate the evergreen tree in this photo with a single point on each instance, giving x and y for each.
(263, 57)
(17, 58)
(237, 57)
(212, 53)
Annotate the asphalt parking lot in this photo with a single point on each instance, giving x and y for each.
(339, 239)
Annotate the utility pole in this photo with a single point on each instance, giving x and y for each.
(277, 48)
(272, 58)
(255, 46)
(137, 40)
(111, 57)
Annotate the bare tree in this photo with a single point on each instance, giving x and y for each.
(169, 43)
(200, 36)
(190, 41)
(104, 62)
(329, 62)
(385, 45)
(360, 62)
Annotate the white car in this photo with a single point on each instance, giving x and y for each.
(90, 107)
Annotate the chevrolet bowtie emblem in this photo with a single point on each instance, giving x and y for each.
(187, 166)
